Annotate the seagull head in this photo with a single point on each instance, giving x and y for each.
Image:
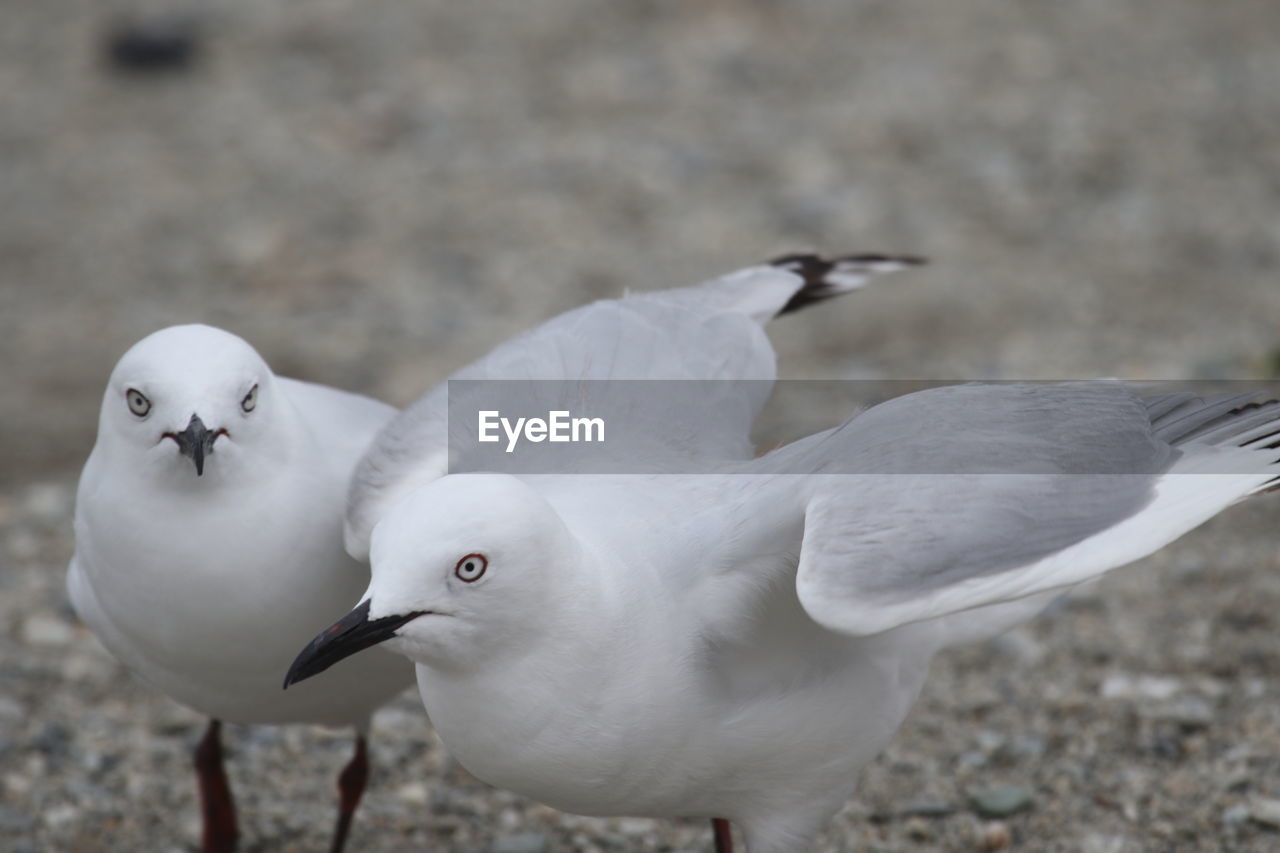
(465, 567)
(183, 398)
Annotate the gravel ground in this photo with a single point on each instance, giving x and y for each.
(375, 193)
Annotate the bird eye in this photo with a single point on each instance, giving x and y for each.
(471, 567)
(250, 400)
(138, 402)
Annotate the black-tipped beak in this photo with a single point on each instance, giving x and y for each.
(350, 634)
(195, 442)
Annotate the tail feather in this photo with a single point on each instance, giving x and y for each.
(1196, 416)
(1227, 420)
(825, 278)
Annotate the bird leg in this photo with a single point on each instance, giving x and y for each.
(351, 783)
(217, 807)
(724, 840)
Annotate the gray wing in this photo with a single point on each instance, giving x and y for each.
(708, 332)
(962, 497)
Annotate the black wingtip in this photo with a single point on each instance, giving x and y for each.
(828, 277)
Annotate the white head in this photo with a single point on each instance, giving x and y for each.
(466, 567)
(188, 401)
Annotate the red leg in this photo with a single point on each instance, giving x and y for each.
(724, 839)
(216, 805)
(351, 783)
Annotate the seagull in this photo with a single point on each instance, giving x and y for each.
(208, 529)
(711, 333)
(740, 644)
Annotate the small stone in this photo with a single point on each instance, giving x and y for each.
(996, 836)
(60, 816)
(1001, 800)
(1132, 687)
(1265, 812)
(1236, 816)
(48, 631)
(928, 808)
(635, 826)
(1189, 712)
(414, 793)
(153, 45)
(525, 842)
(918, 829)
(989, 741)
(1099, 843)
(1237, 781)
(1027, 746)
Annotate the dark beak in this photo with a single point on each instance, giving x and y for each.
(195, 442)
(350, 634)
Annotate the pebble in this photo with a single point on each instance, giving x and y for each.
(1236, 816)
(635, 826)
(1131, 687)
(525, 842)
(1001, 800)
(59, 816)
(1189, 712)
(47, 631)
(1098, 843)
(414, 793)
(928, 808)
(918, 829)
(153, 45)
(996, 836)
(988, 740)
(1265, 812)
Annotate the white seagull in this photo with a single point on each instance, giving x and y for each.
(711, 332)
(739, 645)
(208, 531)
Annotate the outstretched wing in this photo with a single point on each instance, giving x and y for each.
(962, 497)
(711, 331)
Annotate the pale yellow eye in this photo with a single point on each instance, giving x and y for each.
(471, 567)
(250, 400)
(138, 402)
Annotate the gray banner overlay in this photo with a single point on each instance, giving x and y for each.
(850, 426)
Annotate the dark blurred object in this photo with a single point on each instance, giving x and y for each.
(153, 45)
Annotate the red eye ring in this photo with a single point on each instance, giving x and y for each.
(471, 568)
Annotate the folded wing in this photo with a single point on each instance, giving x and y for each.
(968, 496)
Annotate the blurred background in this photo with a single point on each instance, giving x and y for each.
(373, 193)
